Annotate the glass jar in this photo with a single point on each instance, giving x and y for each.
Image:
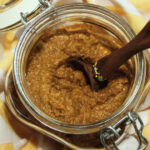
(71, 14)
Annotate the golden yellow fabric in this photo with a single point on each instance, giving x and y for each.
(4, 1)
(7, 146)
(135, 21)
(32, 144)
(20, 129)
(9, 41)
(6, 62)
(144, 4)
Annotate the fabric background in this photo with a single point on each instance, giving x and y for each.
(16, 136)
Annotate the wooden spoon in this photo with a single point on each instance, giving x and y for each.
(108, 64)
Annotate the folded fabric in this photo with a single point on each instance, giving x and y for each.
(16, 136)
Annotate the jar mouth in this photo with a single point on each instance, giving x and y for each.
(77, 12)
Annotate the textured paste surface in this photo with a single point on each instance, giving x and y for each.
(62, 92)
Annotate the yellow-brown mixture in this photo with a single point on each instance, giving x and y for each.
(62, 92)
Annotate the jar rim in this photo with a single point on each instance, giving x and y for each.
(43, 118)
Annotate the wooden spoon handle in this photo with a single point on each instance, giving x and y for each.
(111, 62)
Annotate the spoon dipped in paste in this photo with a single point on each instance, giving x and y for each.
(98, 73)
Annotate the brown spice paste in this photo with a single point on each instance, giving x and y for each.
(62, 92)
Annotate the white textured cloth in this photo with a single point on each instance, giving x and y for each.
(16, 136)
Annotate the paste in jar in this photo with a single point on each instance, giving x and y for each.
(63, 92)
